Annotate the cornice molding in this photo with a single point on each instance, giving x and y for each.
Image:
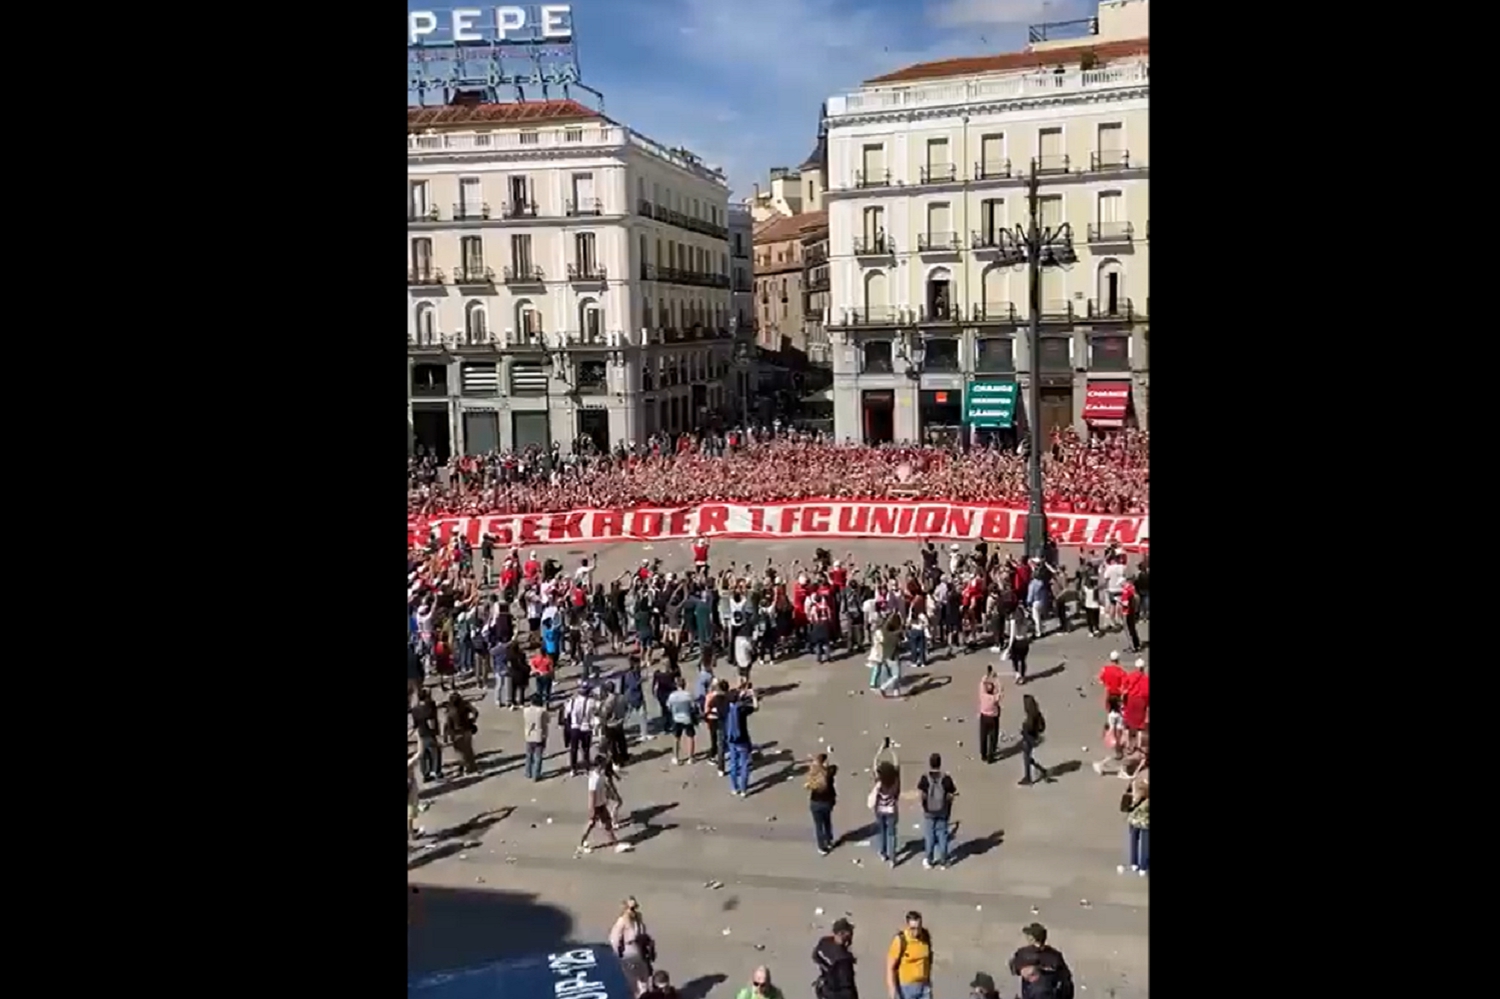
(996, 107)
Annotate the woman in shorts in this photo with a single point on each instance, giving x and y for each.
(601, 791)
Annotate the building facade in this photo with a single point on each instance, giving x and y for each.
(781, 279)
(742, 268)
(816, 293)
(929, 171)
(567, 278)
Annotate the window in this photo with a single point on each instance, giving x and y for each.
(1112, 300)
(593, 376)
(992, 161)
(528, 378)
(877, 357)
(991, 221)
(421, 258)
(530, 137)
(876, 299)
(573, 135)
(640, 188)
(426, 323)
(429, 379)
(646, 314)
(940, 295)
(645, 258)
(994, 353)
(939, 225)
(476, 324)
(472, 248)
(583, 195)
(872, 166)
(529, 322)
(811, 195)
(939, 166)
(479, 378)
(470, 201)
(1111, 146)
(1050, 157)
(942, 354)
(591, 321)
(584, 253)
(520, 253)
(1056, 354)
(1050, 211)
(874, 232)
(520, 201)
(1109, 353)
(419, 200)
(1109, 208)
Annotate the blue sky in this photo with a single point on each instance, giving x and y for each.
(740, 81)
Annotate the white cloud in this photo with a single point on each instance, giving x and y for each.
(980, 13)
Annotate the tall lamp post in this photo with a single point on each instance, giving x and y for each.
(1049, 246)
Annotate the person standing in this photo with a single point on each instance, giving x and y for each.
(1136, 803)
(682, 715)
(1032, 728)
(714, 704)
(612, 713)
(535, 719)
(938, 791)
(581, 711)
(835, 963)
(1036, 599)
(459, 727)
(1130, 607)
(909, 961)
(1020, 646)
(1088, 585)
(632, 943)
(822, 795)
(990, 696)
(1136, 708)
(1051, 970)
(760, 986)
(742, 704)
(634, 693)
(424, 716)
(884, 802)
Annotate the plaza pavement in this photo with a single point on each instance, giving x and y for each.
(503, 879)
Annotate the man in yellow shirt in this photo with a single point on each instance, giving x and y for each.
(908, 965)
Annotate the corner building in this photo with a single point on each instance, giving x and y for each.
(929, 309)
(567, 277)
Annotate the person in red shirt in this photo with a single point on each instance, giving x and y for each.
(1137, 704)
(838, 576)
(532, 569)
(1113, 678)
(700, 554)
(1131, 608)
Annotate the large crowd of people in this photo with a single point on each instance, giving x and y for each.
(1107, 474)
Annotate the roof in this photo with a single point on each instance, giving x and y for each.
(974, 65)
(818, 157)
(789, 227)
(517, 113)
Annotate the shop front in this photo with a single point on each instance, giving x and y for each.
(940, 416)
(1106, 405)
(990, 413)
(878, 415)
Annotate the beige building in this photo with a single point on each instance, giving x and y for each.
(567, 277)
(781, 279)
(792, 192)
(928, 170)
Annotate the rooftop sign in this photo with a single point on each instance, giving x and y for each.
(544, 23)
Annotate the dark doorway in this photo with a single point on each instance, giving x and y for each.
(430, 428)
(939, 307)
(940, 416)
(1057, 411)
(879, 416)
(1112, 294)
(594, 424)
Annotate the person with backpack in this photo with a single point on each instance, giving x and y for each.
(938, 791)
(742, 704)
(1032, 728)
(821, 797)
(835, 963)
(1042, 969)
(909, 961)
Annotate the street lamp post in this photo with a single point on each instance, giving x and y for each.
(1043, 246)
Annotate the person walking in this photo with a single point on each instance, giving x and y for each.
(760, 986)
(908, 961)
(884, 801)
(534, 720)
(1136, 804)
(742, 704)
(1020, 646)
(632, 943)
(937, 791)
(580, 711)
(835, 963)
(991, 693)
(917, 628)
(682, 715)
(822, 795)
(1032, 728)
(1036, 599)
(424, 716)
(633, 684)
(1049, 974)
(600, 794)
(460, 725)
(1136, 706)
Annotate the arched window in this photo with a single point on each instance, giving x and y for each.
(476, 323)
(939, 297)
(528, 322)
(591, 321)
(426, 324)
(1109, 296)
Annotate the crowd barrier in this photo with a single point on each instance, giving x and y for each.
(810, 519)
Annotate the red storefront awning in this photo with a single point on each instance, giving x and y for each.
(1105, 404)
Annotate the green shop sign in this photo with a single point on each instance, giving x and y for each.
(990, 404)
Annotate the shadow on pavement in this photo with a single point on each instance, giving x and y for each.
(456, 927)
(700, 987)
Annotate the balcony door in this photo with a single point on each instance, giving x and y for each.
(469, 198)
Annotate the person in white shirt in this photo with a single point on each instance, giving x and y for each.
(581, 710)
(955, 559)
(600, 793)
(1114, 581)
(584, 575)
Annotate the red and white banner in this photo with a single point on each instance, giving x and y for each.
(902, 520)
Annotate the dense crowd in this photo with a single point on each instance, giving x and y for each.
(1105, 474)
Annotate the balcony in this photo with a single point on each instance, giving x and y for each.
(677, 275)
(587, 273)
(424, 277)
(938, 242)
(525, 274)
(874, 246)
(518, 210)
(673, 217)
(429, 390)
(1057, 311)
(998, 243)
(872, 178)
(643, 208)
(994, 312)
(939, 173)
(1106, 160)
(744, 286)
(464, 212)
(816, 255)
(1118, 311)
(1111, 233)
(422, 213)
(871, 315)
(992, 170)
(1052, 164)
(474, 276)
(939, 312)
(583, 206)
(1132, 76)
(820, 283)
